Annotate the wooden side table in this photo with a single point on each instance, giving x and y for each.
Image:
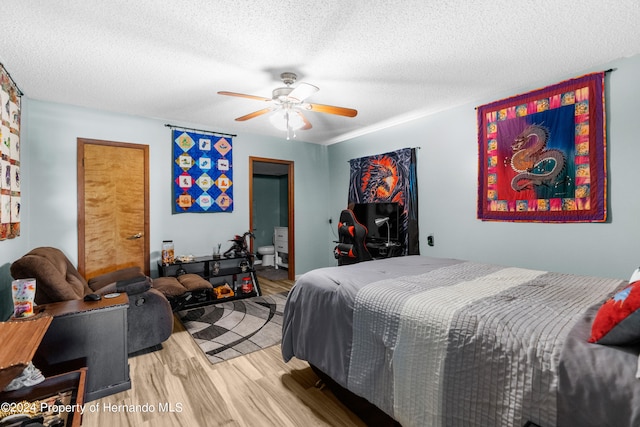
(91, 334)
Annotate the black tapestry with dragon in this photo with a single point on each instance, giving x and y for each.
(385, 178)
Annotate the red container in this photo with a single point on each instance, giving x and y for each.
(247, 285)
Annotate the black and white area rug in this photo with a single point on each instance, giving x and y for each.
(231, 329)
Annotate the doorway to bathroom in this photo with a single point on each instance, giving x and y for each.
(271, 216)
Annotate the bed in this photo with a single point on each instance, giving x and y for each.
(446, 342)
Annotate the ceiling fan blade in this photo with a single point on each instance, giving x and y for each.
(307, 123)
(302, 92)
(330, 109)
(254, 114)
(243, 95)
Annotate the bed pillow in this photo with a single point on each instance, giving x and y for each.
(618, 320)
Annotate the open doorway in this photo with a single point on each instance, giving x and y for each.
(271, 214)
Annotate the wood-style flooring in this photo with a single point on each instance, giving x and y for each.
(178, 386)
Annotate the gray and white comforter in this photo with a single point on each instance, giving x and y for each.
(444, 342)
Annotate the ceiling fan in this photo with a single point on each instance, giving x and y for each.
(288, 104)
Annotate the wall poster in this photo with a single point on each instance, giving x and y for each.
(10, 205)
(542, 154)
(202, 172)
(390, 177)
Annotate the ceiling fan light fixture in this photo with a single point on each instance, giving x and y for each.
(287, 120)
(287, 102)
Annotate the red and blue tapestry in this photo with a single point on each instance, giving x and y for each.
(542, 154)
(388, 178)
(202, 172)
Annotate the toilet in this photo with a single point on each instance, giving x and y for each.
(268, 255)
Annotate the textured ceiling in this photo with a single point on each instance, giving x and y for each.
(392, 61)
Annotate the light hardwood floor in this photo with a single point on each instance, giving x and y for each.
(180, 387)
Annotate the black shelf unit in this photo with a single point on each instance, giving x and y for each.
(218, 271)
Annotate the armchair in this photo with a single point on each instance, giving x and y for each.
(351, 247)
(149, 316)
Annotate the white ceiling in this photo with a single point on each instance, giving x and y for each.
(390, 60)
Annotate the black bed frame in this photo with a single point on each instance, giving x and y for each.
(370, 414)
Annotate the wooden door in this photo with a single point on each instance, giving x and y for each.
(113, 206)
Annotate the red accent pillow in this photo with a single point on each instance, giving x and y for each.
(618, 320)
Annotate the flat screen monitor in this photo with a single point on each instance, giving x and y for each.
(367, 213)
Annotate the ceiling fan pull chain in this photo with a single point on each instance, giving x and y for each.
(286, 118)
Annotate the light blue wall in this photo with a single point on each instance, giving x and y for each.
(49, 145)
(283, 220)
(7, 250)
(447, 179)
(270, 207)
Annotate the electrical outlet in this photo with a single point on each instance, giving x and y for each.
(430, 240)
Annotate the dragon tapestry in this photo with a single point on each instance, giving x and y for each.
(389, 177)
(542, 154)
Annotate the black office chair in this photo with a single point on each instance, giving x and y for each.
(352, 235)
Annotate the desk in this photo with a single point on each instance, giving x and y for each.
(380, 250)
(91, 334)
